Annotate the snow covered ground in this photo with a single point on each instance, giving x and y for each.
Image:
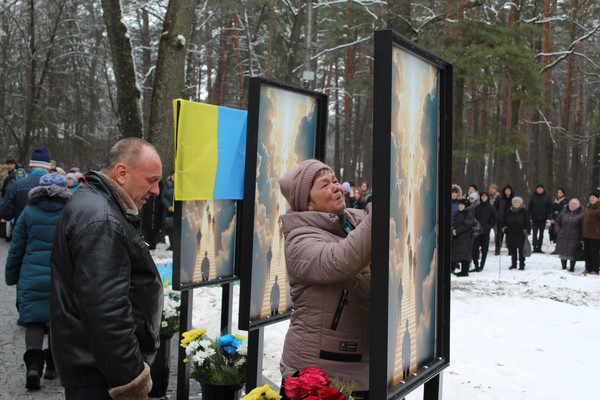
(532, 334)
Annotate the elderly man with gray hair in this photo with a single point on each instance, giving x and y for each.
(106, 298)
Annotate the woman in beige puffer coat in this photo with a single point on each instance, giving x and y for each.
(328, 253)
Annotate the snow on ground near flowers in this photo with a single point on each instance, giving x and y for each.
(532, 334)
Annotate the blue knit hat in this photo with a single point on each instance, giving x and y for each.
(40, 158)
(53, 179)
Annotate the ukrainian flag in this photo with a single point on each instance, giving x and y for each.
(210, 151)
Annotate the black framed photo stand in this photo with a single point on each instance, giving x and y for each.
(412, 136)
(286, 125)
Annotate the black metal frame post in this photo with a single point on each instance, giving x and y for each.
(226, 308)
(378, 379)
(255, 358)
(183, 369)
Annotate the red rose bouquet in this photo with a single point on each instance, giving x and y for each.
(312, 384)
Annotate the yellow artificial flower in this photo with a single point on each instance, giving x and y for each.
(261, 393)
(239, 337)
(185, 360)
(190, 336)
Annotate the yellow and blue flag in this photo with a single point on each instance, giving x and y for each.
(210, 151)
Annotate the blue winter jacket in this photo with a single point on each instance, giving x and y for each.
(16, 194)
(28, 261)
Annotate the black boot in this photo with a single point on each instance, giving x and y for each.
(475, 266)
(34, 361)
(464, 270)
(564, 264)
(50, 372)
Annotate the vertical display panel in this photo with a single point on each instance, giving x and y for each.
(286, 126)
(411, 133)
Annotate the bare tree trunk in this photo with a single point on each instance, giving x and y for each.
(146, 67)
(168, 81)
(338, 152)
(128, 94)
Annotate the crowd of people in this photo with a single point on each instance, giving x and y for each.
(79, 256)
(574, 229)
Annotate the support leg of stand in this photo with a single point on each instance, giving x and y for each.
(183, 369)
(255, 359)
(226, 308)
(433, 388)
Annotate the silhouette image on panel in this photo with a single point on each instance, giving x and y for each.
(406, 353)
(209, 219)
(275, 297)
(269, 258)
(205, 267)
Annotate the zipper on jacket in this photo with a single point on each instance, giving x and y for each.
(340, 307)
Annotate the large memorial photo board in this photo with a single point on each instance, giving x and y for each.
(286, 125)
(410, 252)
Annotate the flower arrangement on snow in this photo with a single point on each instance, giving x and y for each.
(169, 323)
(216, 362)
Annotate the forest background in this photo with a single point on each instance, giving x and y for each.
(75, 76)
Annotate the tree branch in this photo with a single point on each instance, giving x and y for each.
(571, 49)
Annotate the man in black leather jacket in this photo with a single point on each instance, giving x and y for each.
(106, 299)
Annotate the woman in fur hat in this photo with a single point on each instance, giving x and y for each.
(328, 254)
(28, 266)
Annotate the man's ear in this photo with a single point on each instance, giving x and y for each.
(121, 171)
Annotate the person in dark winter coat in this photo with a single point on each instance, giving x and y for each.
(17, 193)
(12, 176)
(21, 173)
(462, 237)
(485, 214)
(473, 199)
(456, 196)
(540, 210)
(559, 204)
(166, 198)
(569, 230)
(358, 201)
(347, 194)
(28, 267)
(591, 234)
(152, 219)
(107, 297)
(502, 205)
(72, 183)
(517, 226)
